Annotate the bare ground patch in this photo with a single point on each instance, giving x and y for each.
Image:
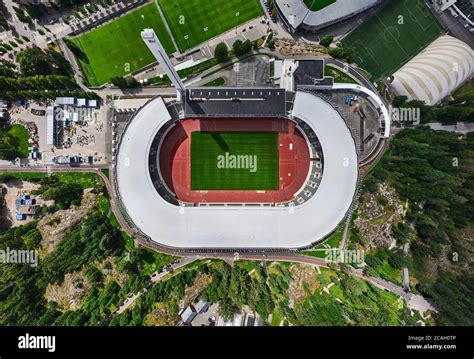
(53, 227)
(303, 283)
(10, 191)
(191, 293)
(378, 212)
(109, 269)
(70, 293)
(292, 47)
(161, 315)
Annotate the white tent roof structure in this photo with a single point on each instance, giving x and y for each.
(436, 72)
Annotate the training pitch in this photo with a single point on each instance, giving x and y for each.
(315, 5)
(195, 21)
(117, 48)
(234, 161)
(399, 31)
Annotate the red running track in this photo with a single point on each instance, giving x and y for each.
(175, 160)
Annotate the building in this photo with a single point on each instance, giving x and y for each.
(39, 2)
(25, 206)
(188, 314)
(464, 9)
(237, 321)
(75, 102)
(435, 72)
(296, 15)
(66, 111)
(51, 127)
(316, 176)
(443, 5)
(202, 306)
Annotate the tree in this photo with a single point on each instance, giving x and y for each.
(399, 101)
(33, 61)
(326, 40)
(63, 194)
(341, 52)
(241, 48)
(221, 52)
(227, 309)
(125, 82)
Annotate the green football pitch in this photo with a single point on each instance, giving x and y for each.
(195, 21)
(399, 31)
(117, 47)
(315, 5)
(234, 161)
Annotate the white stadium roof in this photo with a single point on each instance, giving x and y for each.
(297, 13)
(240, 227)
(436, 72)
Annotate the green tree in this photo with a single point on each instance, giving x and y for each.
(326, 40)
(221, 52)
(241, 48)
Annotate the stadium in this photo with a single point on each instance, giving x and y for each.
(313, 15)
(237, 168)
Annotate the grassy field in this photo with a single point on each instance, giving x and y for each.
(214, 168)
(111, 48)
(467, 90)
(194, 21)
(315, 5)
(20, 135)
(85, 180)
(338, 75)
(220, 81)
(393, 36)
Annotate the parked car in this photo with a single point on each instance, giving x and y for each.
(38, 112)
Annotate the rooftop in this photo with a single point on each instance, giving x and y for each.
(235, 101)
(221, 227)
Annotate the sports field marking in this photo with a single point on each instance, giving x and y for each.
(116, 48)
(400, 46)
(384, 50)
(239, 161)
(370, 53)
(316, 5)
(415, 17)
(193, 22)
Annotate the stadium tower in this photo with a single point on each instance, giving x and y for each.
(156, 48)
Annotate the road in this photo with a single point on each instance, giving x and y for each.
(353, 72)
(139, 92)
(154, 277)
(345, 235)
(454, 26)
(75, 66)
(187, 258)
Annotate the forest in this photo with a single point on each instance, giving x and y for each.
(434, 171)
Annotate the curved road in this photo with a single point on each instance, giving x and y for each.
(189, 257)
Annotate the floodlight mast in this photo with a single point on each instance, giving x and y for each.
(156, 48)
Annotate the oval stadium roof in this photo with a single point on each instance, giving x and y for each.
(239, 227)
(296, 13)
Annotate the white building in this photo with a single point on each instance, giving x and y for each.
(296, 15)
(442, 5)
(436, 72)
